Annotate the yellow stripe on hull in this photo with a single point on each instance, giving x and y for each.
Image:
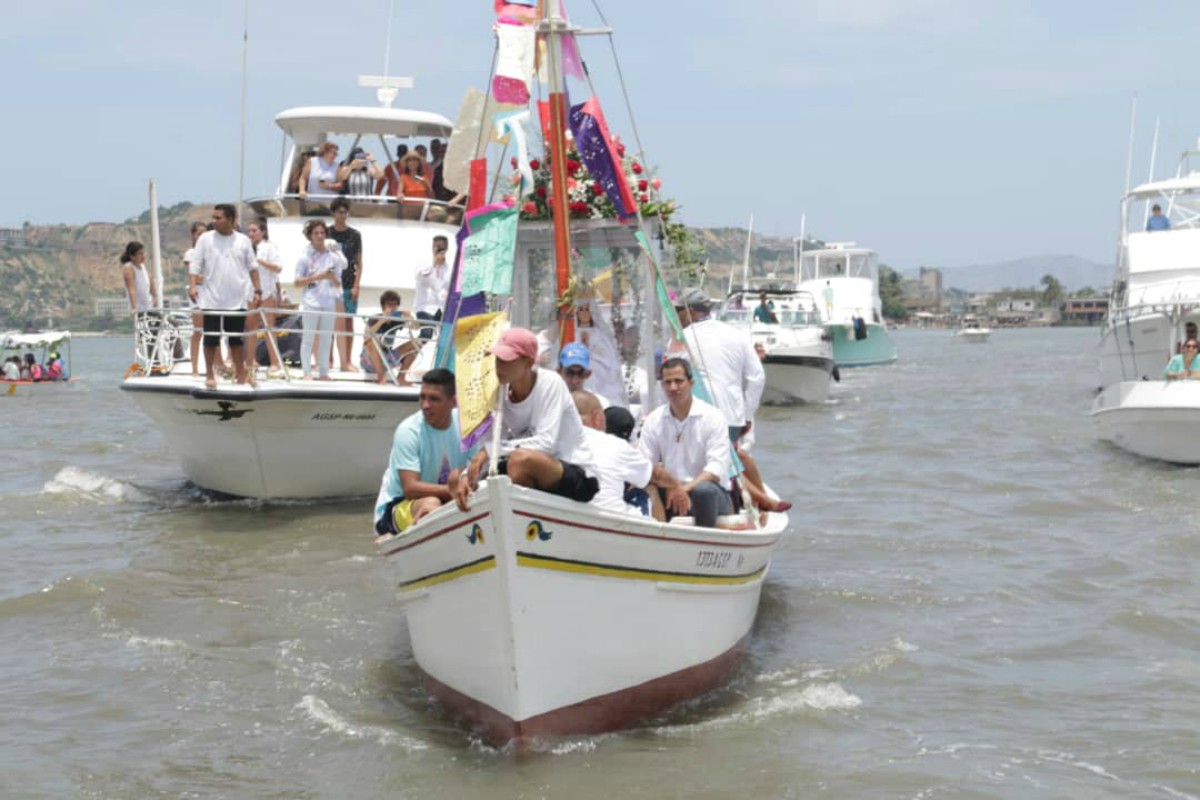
(450, 574)
(579, 567)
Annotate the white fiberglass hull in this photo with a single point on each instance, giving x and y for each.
(973, 335)
(796, 378)
(1135, 350)
(303, 439)
(534, 615)
(1154, 419)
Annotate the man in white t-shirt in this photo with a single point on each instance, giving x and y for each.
(688, 443)
(224, 258)
(617, 461)
(541, 435)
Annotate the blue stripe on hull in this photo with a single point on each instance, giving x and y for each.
(877, 348)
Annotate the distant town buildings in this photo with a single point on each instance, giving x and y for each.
(924, 293)
(12, 237)
(1085, 310)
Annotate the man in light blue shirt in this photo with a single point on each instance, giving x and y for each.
(426, 458)
(1158, 221)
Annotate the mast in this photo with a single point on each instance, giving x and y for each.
(242, 142)
(551, 29)
(155, 247)
(745, 258)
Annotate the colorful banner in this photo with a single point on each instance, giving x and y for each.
(600, 157)
(512, 124)
(489, 250)
(475, 373)
(516, 43)
(479, 179)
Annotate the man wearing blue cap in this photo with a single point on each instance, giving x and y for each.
(575, 366)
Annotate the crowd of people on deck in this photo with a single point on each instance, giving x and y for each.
(558, 434)
(412, 178)
(27, 368)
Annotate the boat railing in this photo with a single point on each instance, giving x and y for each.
(361, 207)
(161, 339)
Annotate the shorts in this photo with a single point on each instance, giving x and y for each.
(397, 516)
(573, 485)
(216, 324)
(350, 305)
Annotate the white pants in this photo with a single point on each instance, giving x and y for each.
(320, 326)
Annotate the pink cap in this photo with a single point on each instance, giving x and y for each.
(516, 343)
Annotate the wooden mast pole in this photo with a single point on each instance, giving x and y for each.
(552, 25)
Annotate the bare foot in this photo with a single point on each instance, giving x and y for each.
(210, 383)
(324, 378)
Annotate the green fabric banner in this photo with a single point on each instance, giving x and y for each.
(489, 252)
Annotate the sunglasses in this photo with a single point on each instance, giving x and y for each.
(1190, 347)
(575, 372)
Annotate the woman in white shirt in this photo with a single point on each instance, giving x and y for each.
(141, 300)
(269, 267)
(322, 177)
(319, 273)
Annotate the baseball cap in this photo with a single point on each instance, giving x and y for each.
(693, 297)
(575, 355)
(515, 343)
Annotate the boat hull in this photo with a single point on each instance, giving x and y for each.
(875, 349)
(1153, 419)
(280, 441)
(972, 336)
(532, 615)
(796, 379)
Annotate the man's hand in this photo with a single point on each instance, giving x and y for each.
(462, 492)
(678, 502)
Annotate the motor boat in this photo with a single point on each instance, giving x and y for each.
(845, 281)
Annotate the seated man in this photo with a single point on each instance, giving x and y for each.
(575, 366)
(619, 464)
(542, 442)
(1158, 221)
(426, 458)
(380, 347)
(687, 440)
(765, 311)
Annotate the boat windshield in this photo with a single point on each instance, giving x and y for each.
(825, 264)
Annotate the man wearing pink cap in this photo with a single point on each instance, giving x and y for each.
(542, 443)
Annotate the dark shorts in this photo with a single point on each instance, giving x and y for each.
(350, 305)
(573, 485)
(425, 316)
(215, 325)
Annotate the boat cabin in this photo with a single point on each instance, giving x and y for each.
(839, 260)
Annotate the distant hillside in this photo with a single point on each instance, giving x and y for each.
(1073, 272)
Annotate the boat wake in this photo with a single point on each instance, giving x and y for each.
(79, 484)
(319, 712)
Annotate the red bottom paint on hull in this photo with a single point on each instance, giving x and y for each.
(608, 712)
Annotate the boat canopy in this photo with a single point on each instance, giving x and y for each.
(1157, 189)
(312, 123)
(26, 341)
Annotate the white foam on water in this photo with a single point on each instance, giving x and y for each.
(815, 697)
(155, 643)
(72, 481)
(319, 711)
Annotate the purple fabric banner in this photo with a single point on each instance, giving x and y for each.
(599, 156)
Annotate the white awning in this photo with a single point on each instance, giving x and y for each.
(306, 125)
(14, 340)
(1185, 184)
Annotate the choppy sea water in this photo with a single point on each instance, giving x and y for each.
(976, 599)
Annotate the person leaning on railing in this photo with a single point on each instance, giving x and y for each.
(1184, 366)
(319, 272)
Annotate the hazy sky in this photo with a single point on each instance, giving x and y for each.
(939, 132)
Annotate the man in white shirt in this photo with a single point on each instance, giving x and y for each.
(617, 461)
(433, 285)
(541, 436)
(688, 443)
(224, 258)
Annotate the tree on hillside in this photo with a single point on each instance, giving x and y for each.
(891, 293)
(1053, 293)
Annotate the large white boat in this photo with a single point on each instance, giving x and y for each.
(845, 281)
(301, 439)
(796, 351)
(533, 615)
(1155, 294)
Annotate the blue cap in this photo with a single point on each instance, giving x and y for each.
(575, 355)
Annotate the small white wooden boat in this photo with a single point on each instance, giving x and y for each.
(532, 615)
(974, 334)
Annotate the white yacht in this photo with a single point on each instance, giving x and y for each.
(289, 438)
(845, 281)
(1155, 294)
(796, 351)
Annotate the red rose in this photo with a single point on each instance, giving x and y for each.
(535, 164)
(572, 166)
(621, 150)
(642, 184)
(579, 208)
(636, 167)
(645, 198)
(514, 162)
(529, 208)
(540, 191)
(597, 189)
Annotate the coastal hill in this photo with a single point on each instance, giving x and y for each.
(54, 276)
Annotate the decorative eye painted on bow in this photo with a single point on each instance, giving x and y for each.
(534, 530)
